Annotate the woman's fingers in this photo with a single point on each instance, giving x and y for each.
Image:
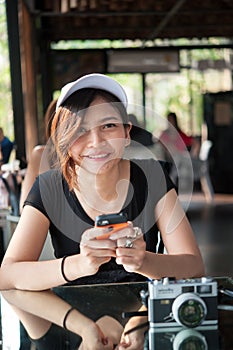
(130, 232)
(89, 240)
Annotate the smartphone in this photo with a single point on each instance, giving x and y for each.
(113, 222)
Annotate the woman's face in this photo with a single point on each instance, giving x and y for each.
(101, 138)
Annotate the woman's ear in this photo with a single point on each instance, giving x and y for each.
(127, 134)
(127, 141)
(128, 127)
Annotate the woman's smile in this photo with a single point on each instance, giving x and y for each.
(101, 156)
(96, 161)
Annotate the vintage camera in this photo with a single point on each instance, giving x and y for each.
(189, 303)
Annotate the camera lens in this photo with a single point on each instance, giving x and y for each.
(189, 310)
(189, 339)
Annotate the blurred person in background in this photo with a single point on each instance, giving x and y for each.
(6, 147)
(177, 140)
(40, 159)
(178, 149)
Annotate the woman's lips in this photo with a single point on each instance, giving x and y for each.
(97, 156)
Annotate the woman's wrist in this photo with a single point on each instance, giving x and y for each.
(70, 268)
(64, 323)
(82, 326)
(143, 269)
(76, 322)
(64, 270)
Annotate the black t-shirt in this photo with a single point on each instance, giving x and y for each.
(50, 194)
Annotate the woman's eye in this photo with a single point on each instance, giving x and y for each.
(109, 125)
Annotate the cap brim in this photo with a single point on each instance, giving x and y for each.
(96, 81)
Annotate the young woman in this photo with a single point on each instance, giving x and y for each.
(90, 131)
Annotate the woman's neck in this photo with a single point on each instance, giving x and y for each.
(106, 192)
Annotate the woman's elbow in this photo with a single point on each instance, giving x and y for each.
(198, 267)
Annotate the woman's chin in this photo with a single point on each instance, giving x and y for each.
(99, 167)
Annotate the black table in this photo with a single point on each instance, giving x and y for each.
(96, 301)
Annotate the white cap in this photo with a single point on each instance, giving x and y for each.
(96, 81)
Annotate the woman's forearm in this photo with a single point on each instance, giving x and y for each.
(179, 266)
(48, 306)
(41, 275)
(31, 275)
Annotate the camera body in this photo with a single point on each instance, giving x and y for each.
(188, 303)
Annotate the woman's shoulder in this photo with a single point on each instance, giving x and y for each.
(51, 175)
(155, 171)
(47, 185)
(149, 168)
(53, 181)
(156, 166)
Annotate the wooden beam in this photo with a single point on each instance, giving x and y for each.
(16, 79)
(27, 49)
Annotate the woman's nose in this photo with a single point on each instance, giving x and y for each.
(95, 136)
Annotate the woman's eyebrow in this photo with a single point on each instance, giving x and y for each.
(105, 119)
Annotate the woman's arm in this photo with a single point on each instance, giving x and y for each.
(21, 268)
(39, 309)
(183, 258)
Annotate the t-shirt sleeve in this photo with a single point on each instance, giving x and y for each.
(49, 197)
(169, 183)
(34, 197)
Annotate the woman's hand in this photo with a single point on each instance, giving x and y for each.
(133, 340)
(94, 339)
(131, 248)
(95, 252)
